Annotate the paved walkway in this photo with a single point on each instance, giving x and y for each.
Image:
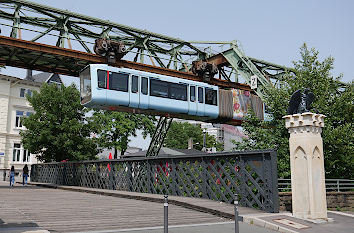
(37, 208)
(43, 208)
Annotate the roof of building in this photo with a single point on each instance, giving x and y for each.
(45, 77)
(19, 80)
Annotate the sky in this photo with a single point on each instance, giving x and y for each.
(272, 30)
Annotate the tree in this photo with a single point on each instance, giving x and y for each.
(113, 129)
(180, 132)
(333, 99)
(57, 130)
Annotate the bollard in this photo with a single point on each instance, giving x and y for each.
(165, 212)
(236, 214)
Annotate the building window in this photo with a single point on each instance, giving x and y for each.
(29, 92)
(26, 156)
(54, 82)
(19, 117)
(19, 154)
(16, 152)
(22, 92)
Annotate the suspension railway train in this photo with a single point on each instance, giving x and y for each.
(128, 90)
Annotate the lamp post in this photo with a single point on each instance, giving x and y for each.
(204, 140)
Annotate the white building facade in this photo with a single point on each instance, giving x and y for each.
(13, 108)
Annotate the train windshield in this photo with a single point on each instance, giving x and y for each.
(85, 85)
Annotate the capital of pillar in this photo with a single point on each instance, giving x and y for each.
(307, 165)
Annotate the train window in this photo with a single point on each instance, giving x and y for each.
(135, 84)
(210, 96)
(101, 77)
(85, 85)
(178, 91)
(192, 93)
(200, 95)
(118, 81)
(158, 88)
(144, 86)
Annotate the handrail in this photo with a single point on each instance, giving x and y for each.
(337, 185)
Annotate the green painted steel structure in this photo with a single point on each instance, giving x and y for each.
(39, 23)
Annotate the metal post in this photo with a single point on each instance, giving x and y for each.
(236, 214)
(204, 140)
(165, 212)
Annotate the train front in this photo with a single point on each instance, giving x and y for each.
(85, 86)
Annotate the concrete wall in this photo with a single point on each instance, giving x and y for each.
(335, 200)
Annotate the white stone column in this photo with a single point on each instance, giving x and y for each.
(307, 165)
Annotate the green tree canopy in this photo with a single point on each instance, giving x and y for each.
(113, 129)
(333, 99)
(180, 132)
(57, 130)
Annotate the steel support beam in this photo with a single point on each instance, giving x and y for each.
(248, 67)
(70, 62)
(159, 136)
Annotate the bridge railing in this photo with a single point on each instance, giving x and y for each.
(252, 175)
(332, 185)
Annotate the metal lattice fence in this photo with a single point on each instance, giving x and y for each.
(252, 175)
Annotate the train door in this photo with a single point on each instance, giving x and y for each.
(200, 101)
(99, 85)
(134, 91)
(118, 84)
(192, 109)
(144, 93)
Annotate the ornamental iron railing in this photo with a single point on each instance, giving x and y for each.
(252, 175)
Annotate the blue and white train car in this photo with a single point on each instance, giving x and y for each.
(122, 89)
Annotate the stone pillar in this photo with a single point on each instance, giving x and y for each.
(307, 165)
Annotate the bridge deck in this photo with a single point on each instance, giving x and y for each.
(65, 211)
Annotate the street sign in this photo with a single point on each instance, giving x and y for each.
(2, 154)
(254, 82)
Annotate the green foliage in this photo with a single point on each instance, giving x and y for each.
(113, 129)
(180, 132)
(57, 130)
(333, 99)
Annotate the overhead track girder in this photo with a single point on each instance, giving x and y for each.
(70, 26)
(32, 55)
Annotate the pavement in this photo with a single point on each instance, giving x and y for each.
(226, 227)
(254, 221)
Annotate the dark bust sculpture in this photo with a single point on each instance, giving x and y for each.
(300, 102)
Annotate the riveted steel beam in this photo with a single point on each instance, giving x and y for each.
(70, 62)
(70, 26)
